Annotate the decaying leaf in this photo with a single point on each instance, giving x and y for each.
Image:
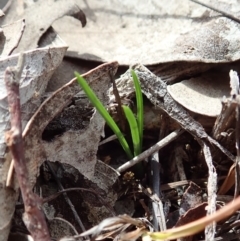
(39, 17)
(39, 67)
(12, 34)
(202, 94)
(191, 198)
(194, 213)
(167, 31)
(75, 147)
(83, 152)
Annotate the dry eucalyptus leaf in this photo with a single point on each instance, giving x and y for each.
(12, 34)
(150, 32)
(77, 148)
(234, 83)
(34, 147)
(202, 94)
(40, 16)
(38, 69)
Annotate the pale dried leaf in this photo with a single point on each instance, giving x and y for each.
(234, 83)
(38, 69)
(12, 34)
(150, 32)
(113, 223)
(40, 16)
(75, 147)
(35, 153)
(202, 94)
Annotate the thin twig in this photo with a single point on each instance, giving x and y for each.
(155, 170)
(68, 223)
(69, 202)
(159, 220)
(120, 113)
(172, 185)
(110, 138)
(237, 168)
(33, 216)
(235, 101)
(151, 150)
(217, 10)
(98, 196)
(212, 189)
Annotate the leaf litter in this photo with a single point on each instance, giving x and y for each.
(190, 40)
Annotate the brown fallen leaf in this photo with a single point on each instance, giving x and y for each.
(193, 214)
(229, 181)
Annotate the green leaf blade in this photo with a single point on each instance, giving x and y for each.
(134, 129)
(139, 99)
(104, 113)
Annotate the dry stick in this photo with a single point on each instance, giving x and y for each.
(158, 214)
(159, 220)
(212, 189)
(217, 10)
(110, 138)
(237, 173)
(120, 113)
(151, 150)
(235, 94)
(33, 216)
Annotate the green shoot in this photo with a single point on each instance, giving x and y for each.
(139, 100)
(104, 113)
(134, 129)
